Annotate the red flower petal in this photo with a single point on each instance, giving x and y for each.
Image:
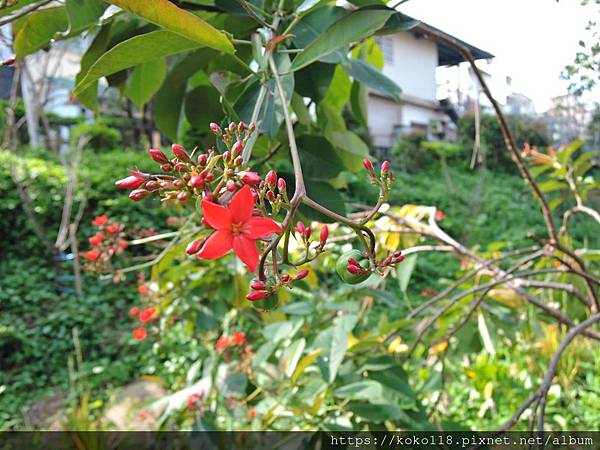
(216, 216)
(247, 251)
(258, 227)
(217, 245)
(241, 205)
(140, 334)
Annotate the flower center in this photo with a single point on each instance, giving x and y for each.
(237, 228)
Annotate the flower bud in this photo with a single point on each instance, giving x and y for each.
(354, 270)
(251, 127)
(302, 274)
(385, 167)
(202, 159)
(241, 127)
(182, 196)
(300, 228)
(368, 165)
(178, 184)
(271, 178)
(270, 196)
(281, 185)
(197, 181)
(209, 176)
(134, 311)
(96, 239)
(307, 232)
(158, 156)
(254, 195)
(215, 129)
(285, 278)
(230, 186)
(194, 246)
(251, 178)
(324, 235)
(257, 295)
(181, 167)
(232, 127)
(226, 155)
(258, 285)
(138, 194)
(238, 161)
(140, 334)
(166, 167)
(353, 262)
(180, 153)
(152, 185)
(237, 148)
(130, 183)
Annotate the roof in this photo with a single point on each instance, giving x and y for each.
(448, 56)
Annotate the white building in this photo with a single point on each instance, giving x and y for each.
(412, 60)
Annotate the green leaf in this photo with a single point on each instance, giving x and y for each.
(306, 5)
(89, 96)
(362, 390)
(319, 159)
(365, 73)
(169, 100)
(145, 81)
(187, 25)
(37, 29)
(339, 344)
(353, 27)
(352, 150)
(137, 50)
(359, 97)
(398, 22)
(405, 270)
(291, 356)
(327, 196)
(566, 153)
(314, 81)
(376, 412)
(301, 110)
(552, 185)
(304, 363)
(229, 382)
(202, 106)
(82, 14)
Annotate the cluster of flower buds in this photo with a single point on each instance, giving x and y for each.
(385, 178)
(238, 338)
(356, 268)
(106, 243)
(145, 314)
(261, 290)
(188, 176)
(274, 191)
(305, 234)
(235, 346)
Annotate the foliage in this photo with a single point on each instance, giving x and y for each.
(525, 130)
(98, 135)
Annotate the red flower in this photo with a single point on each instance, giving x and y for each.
(112, 228)
(222, 343)
(123, 244)
(235, 228)
(252, 413)
(440, 215)
(134, 311)
(100, 220)
(239, 338)
(147, 314)
(92, 255)
(142, 289)
(194, 399)
(130, 182)
(140, 334)
(96, 239)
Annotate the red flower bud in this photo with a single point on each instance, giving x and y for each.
(232, 127)
(226, 155)
(324, 235)
(237, 148)
(258, 285)
(209, 176)
(300, 228)
(254, 195)
(194, 246)
(251, 178)
(92, 255)
(158, 156)
(354, 270)
(181, 167)
(215, 129)
(385, 167)
(368, 165)
(130, 183)
(134, 311)
(307, 232)
(182, 196)
(271, 178)
(238, 161)
(257, 295)
(123, 244)
(353, 262)
(140, 334)
(230, 186)
(281, 185)
(302, 274)
(147, 314)
(138, 194)
(241, 127)
(270, 196)
(196, 181)
(285, 278)
(166, 167)
(251, 127)
(152, 185)
(202, 159)
(180, 153)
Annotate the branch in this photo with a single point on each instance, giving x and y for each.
(23, 12)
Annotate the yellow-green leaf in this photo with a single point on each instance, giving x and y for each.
(165, 14)
(304, 363)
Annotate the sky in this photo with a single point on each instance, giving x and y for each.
(532, 40)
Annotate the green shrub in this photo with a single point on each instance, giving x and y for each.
(101, 136)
